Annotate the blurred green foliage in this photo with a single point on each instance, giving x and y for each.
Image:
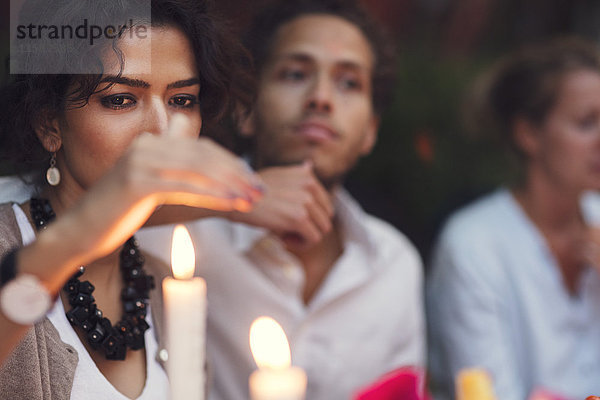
(424, 165)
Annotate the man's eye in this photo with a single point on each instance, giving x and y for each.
(350, 84)
(293, 75)
(186, 101)
(118, 101)
(588, 123)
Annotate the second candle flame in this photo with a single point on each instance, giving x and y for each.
(269, 345)
(183, 258)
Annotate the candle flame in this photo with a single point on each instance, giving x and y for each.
(183, 259)
(269, 344)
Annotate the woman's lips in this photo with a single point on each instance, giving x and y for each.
(316, 132)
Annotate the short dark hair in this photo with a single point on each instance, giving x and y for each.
(27, 100)
(526, 84)
(259, 38)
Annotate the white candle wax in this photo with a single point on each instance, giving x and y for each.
(185, 321)
(278, 384)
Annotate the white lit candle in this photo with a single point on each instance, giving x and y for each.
(275, 379)
(185, 321)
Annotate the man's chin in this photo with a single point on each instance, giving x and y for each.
(330, 182)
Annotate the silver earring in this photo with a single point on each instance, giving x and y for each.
(53, 174)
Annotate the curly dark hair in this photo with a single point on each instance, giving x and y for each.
(259, 38)
(525, 84)
(28, 100)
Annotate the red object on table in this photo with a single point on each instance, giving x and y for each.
(406, 383)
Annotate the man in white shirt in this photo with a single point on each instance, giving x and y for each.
(345, 286)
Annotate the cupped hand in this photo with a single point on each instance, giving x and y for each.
(166, 169)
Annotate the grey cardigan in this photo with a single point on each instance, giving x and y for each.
(42, 367)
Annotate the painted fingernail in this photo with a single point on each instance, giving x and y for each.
(260, 187)
(242, 205)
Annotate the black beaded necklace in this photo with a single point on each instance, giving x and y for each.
(113, 340)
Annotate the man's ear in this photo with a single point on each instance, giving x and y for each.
(526, 136)
(370, 137)
(49, 134)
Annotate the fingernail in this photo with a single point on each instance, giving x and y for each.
(253, 195)
(260, 187)
(242, 205)
(246, 197)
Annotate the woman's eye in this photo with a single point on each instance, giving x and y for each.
(118, 101)
(183, 101)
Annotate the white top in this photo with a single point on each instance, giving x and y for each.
(365, 319)
(89, 383)
(14, 189)
(496, 300)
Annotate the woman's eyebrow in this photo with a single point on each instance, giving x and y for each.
(183, 83)
(137, 83)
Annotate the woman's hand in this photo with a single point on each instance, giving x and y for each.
(170, 169)
(155, 170)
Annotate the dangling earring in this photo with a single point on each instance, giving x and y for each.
(53, 174)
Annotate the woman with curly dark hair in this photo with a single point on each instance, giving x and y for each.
(109, 131)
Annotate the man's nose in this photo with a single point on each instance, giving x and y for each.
(320, 95)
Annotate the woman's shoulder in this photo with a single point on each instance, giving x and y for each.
(13, 188)
(27, 364)
(489, 215)
(471, 247)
